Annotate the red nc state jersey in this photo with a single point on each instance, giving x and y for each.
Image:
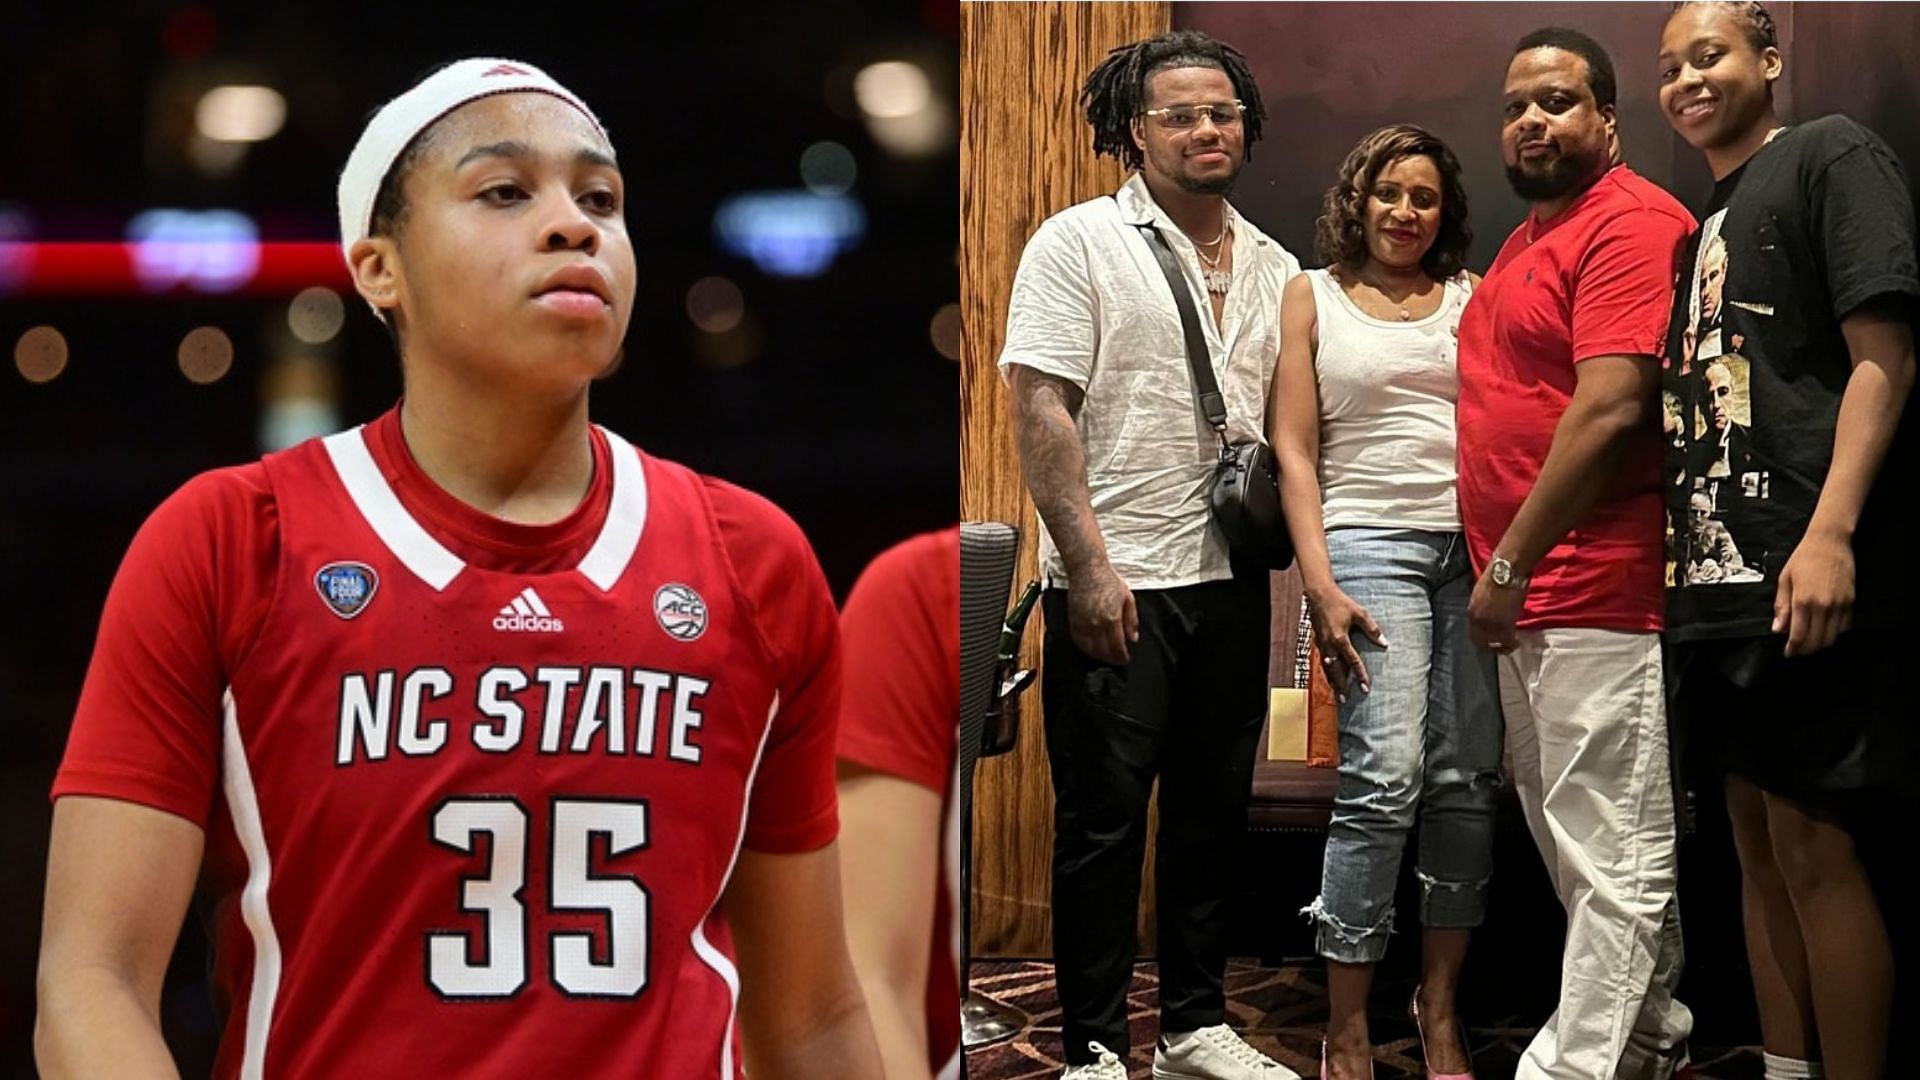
(480, 786)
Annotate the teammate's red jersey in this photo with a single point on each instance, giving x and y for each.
(902, 718)
(472, 790)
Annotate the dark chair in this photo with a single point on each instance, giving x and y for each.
(988, 551)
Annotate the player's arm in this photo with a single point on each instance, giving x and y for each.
(889, 870)
(119, 878)
(802, 1014)
(1814, 603)
(1614, 400)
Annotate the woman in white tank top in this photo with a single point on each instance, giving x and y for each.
(1363, 425)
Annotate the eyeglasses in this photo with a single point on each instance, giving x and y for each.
(1224, 114)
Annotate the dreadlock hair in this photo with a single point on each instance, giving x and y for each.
(1756, 22)
(1599, 64)
(1116, 91)
(1340, 235)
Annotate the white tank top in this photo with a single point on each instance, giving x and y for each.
(1387, 394)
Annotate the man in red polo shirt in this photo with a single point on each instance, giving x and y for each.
(1560, 493)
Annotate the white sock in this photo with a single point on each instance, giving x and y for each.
(1175, 1038)
(1786, 1068)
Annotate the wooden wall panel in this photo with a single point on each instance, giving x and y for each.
(1024, 155)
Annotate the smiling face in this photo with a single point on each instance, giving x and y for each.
(514, 262)
(1403, 211)
(1715, 86)
(1203, 159)
(1554, 138)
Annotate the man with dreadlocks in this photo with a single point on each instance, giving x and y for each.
(1156, 644)
(1793, 679)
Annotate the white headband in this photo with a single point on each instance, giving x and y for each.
(406, 116)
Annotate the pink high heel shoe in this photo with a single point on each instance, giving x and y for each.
(1413, 1011)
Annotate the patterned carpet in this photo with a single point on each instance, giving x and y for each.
(1280, 1010)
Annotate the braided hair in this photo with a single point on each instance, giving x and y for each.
(1756, 22)
(1116, 91)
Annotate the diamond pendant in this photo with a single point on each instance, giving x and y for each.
(1218, 281)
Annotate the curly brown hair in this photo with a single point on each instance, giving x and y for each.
(1340, 235)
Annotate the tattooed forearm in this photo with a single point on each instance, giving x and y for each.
(1054, 465)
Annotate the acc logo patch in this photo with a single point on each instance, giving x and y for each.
(682, 614)
(346, 587)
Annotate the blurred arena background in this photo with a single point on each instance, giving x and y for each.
(172, 297)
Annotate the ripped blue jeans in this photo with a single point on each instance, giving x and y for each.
(1425, 743)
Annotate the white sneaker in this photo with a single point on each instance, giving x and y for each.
(1105, 1067)
(1214, 1053)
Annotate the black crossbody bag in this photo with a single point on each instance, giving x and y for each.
(1244, 495)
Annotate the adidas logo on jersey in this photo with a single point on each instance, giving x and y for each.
(527, 614)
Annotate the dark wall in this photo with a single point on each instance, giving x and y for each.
(1330, 73)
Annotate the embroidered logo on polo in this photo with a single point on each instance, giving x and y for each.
(681, 612)
(346, 587)
(527, 614)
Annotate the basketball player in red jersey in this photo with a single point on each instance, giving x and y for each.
(899, 808)
(496, 746)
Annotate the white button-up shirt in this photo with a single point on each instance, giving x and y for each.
(1091, 305)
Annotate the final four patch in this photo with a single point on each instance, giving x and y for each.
(681, 612)
(346, 587)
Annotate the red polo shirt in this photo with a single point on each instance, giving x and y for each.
(1597, 280)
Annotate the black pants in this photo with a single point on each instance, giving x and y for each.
(1188, 706)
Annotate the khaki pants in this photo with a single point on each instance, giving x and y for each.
(1587, 738)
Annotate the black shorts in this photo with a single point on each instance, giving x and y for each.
(1834, 731)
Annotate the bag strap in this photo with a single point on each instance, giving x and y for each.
(1212, 405)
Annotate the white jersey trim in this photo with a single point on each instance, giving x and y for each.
(429, 560)
(237, 780)
(703, 948)
(626, 517)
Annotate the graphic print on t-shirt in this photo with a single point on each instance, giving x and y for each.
(1710, 421)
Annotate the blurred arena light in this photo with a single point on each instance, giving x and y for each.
(715, 305)
(240, 114)
(892, 88)
(827, 168)
(206, 355)
(901, 112)
(944, 331)
(41, 354)
(213, 159)
(15, 258)
(90, 268)
(316, 314)
(299, 396)
(734, 348)
(208, 250)
(789, 233)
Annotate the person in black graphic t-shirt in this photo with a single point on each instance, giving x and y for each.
(1791, 674)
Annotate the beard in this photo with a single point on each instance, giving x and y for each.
(1209, 185)
(1174, 168)
(1566, 174)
